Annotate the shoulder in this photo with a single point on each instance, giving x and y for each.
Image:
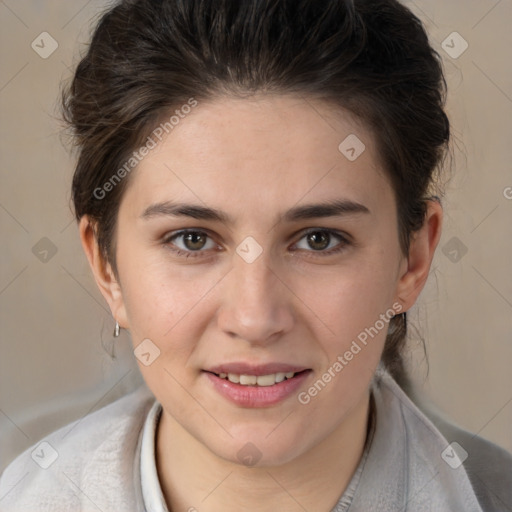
(487, 466)
(83, 465)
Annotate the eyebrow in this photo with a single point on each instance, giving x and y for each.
(334, 208)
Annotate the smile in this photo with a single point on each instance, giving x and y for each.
(255, 391)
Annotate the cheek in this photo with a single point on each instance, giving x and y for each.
(355, 303)
(352, 305)
(350, 298)
(161, 298)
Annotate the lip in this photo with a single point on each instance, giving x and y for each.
(241, 368)
(256, 396)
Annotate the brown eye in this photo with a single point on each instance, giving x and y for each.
(189, 243)
(194, 241)
(318, 240)
(324, 241)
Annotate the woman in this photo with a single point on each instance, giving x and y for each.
(255, 192)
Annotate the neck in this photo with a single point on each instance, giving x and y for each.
(192, 477)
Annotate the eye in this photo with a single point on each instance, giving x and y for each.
(323, 241)
(188, 242)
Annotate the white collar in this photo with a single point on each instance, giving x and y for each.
(152, 495)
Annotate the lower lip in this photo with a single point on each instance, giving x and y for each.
(257, 396)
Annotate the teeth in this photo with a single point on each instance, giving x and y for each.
(248, 380)
(260, 380)
(266, 380)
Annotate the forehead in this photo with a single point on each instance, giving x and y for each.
(264, 151)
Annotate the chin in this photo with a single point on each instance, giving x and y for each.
(252, 449)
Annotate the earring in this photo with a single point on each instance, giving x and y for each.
(117, 330)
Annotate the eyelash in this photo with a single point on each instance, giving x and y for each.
(344, 242)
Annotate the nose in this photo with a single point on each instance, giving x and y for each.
(256, 306)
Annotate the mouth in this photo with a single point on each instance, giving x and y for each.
(257, 386)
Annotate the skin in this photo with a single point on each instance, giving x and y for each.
(254, 159)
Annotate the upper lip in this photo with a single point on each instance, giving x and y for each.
(257, 370)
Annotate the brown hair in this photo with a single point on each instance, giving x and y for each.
(371, 57)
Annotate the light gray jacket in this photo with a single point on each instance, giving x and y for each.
(93, 464)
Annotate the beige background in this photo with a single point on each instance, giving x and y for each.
(54, 323)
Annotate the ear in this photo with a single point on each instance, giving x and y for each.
(415, 268)
(102, 271)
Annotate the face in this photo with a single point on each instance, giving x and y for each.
(249, 244)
